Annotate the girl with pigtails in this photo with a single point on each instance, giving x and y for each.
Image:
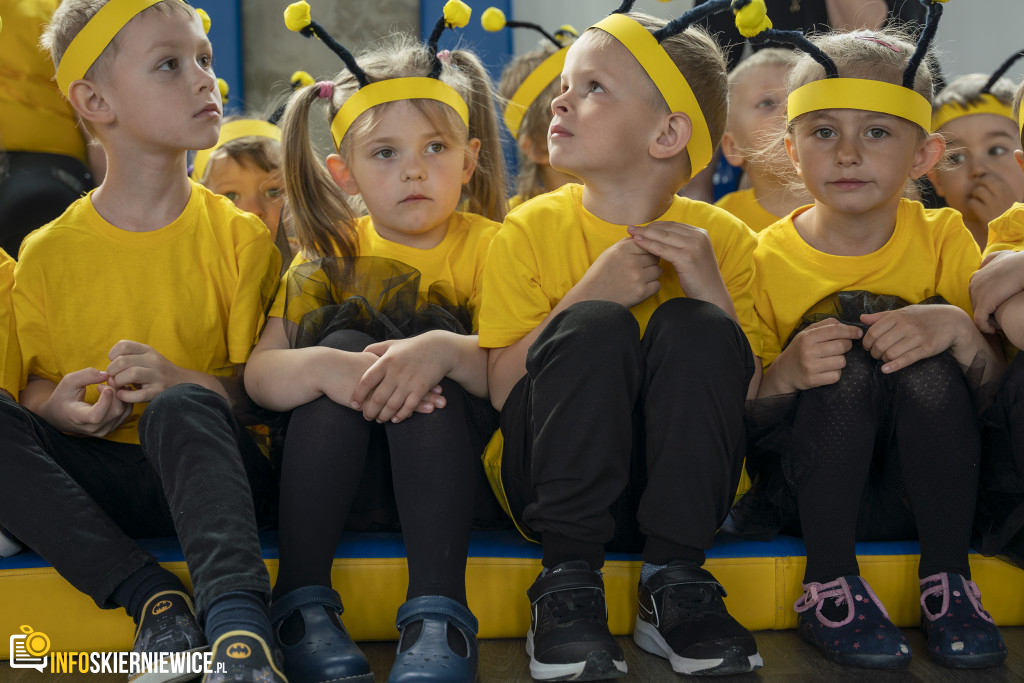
(371, 344)
(871, 354)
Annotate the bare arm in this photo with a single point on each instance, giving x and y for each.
(850, 15)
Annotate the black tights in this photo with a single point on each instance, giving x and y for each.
(848, 438)
(432, 460)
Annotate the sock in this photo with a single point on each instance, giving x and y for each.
(647, 570)
(238, 611)
(134, 592)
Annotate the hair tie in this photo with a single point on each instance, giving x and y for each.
(881, 42)
(445, 56)
(326, 90)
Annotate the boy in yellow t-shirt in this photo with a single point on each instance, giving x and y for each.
(135, 311)
(618, 317)
(757, 107)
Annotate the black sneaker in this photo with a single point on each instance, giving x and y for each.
(168, 624)
(681, 617)
(243, 657)
(569, 637)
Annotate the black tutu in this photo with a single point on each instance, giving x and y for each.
(770, 506)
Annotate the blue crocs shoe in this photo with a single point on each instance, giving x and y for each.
(961, 634)
(437, 642)
(322, 650)
(848, 622)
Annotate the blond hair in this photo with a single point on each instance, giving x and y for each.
(772, 56)
(1018, 98)
(699, 58)
(71, 17)
(322, 216)
(536, 119)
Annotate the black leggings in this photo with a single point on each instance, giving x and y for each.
(432, 458)
(878, 455)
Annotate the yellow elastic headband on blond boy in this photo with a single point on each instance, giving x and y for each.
(393, 90)
(233, 130)
(986, 104)
(859, 93)
(531, 88)
(669, 81)
(94, 37)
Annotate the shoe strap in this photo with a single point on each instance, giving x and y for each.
(436, 608)
(300, 597)
(564, 580)
(940, 585)
(682, 575)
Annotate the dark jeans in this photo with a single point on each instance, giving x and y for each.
(79, 501)
(611, 435)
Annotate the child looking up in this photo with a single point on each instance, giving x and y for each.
(757, 118)
(617, 317)
(867, 322)
(378, 322)
(982, 179)
(136, 310)
(528, 84)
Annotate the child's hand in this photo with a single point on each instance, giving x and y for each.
(816, 356)
(67, 410)
(907, 335)
(691, 254)
(404, 379)
(1000, 277)
(624, 273)
(138, 373)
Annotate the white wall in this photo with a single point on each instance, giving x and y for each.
(974, 36)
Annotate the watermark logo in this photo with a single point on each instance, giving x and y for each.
(29, 649)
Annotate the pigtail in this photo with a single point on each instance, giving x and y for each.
(321, 217)
(486, 190)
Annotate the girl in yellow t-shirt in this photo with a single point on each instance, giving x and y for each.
(372, 346)
(867, 327)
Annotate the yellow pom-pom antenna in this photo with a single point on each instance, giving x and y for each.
(205, 19)
(456, 13)
(493, 19)
(297, 16)
(300, 79)
(752, 19)
(222, 85)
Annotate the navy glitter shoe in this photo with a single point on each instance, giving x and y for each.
(960, 632)
(848, 622)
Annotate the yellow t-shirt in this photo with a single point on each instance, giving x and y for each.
(455, 265)
(1006, 233)
(547, 244)
(10, 353)
(930, 253)
(195, 290)
(34, 116)
(744, 205)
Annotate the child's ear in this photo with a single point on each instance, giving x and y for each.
(928, 154)
(88, 101)
(794, 155)
(672, 137)
(469, 162)
(342, 174)
(1019, 156)
(536, 153)
(731, 152)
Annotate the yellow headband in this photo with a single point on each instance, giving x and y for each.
(233, 130)
(531, 88)
(394, 90)
(672, 85)
(94, 37)
(987, 104)
(858, 93)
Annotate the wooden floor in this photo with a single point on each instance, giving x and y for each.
(786, 657)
